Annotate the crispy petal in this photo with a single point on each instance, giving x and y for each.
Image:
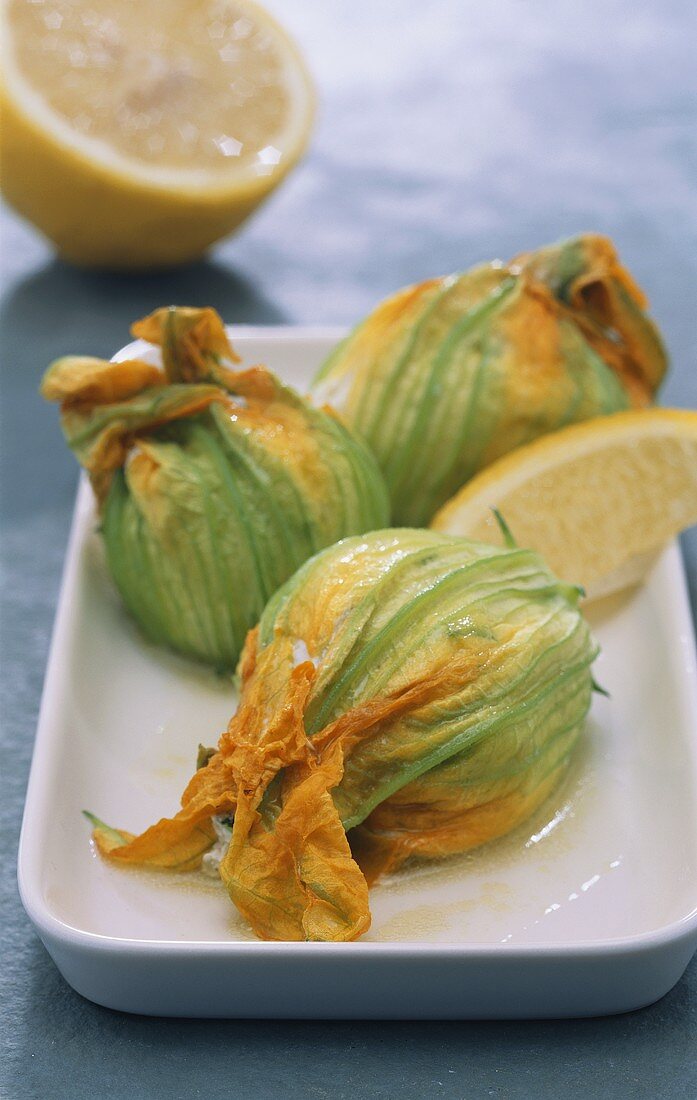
(602, 298)
(257, 384)
(293, 877)
(102, 435)
(104, 405)
(177, 843)
(297, 880)
(83, 380)
(289, 867)
(193, 342)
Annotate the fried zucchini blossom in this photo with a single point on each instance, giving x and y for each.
(213, 485)
(448, 375)
(406, 694)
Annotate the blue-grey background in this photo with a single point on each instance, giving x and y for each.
(449, 132)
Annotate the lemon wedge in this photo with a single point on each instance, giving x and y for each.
(597, 499)
(136, 134)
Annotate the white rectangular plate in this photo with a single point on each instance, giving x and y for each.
(590, 908)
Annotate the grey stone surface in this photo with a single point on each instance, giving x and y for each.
(449, 132)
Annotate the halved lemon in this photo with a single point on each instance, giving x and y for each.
(597, 499)
(137, 133)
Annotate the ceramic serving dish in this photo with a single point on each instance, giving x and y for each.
(590, 908)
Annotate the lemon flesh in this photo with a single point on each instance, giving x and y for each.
(598, 500)
(137, 134)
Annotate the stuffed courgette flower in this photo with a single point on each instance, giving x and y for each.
(213, 485)
(416, 691)
(448, 375)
